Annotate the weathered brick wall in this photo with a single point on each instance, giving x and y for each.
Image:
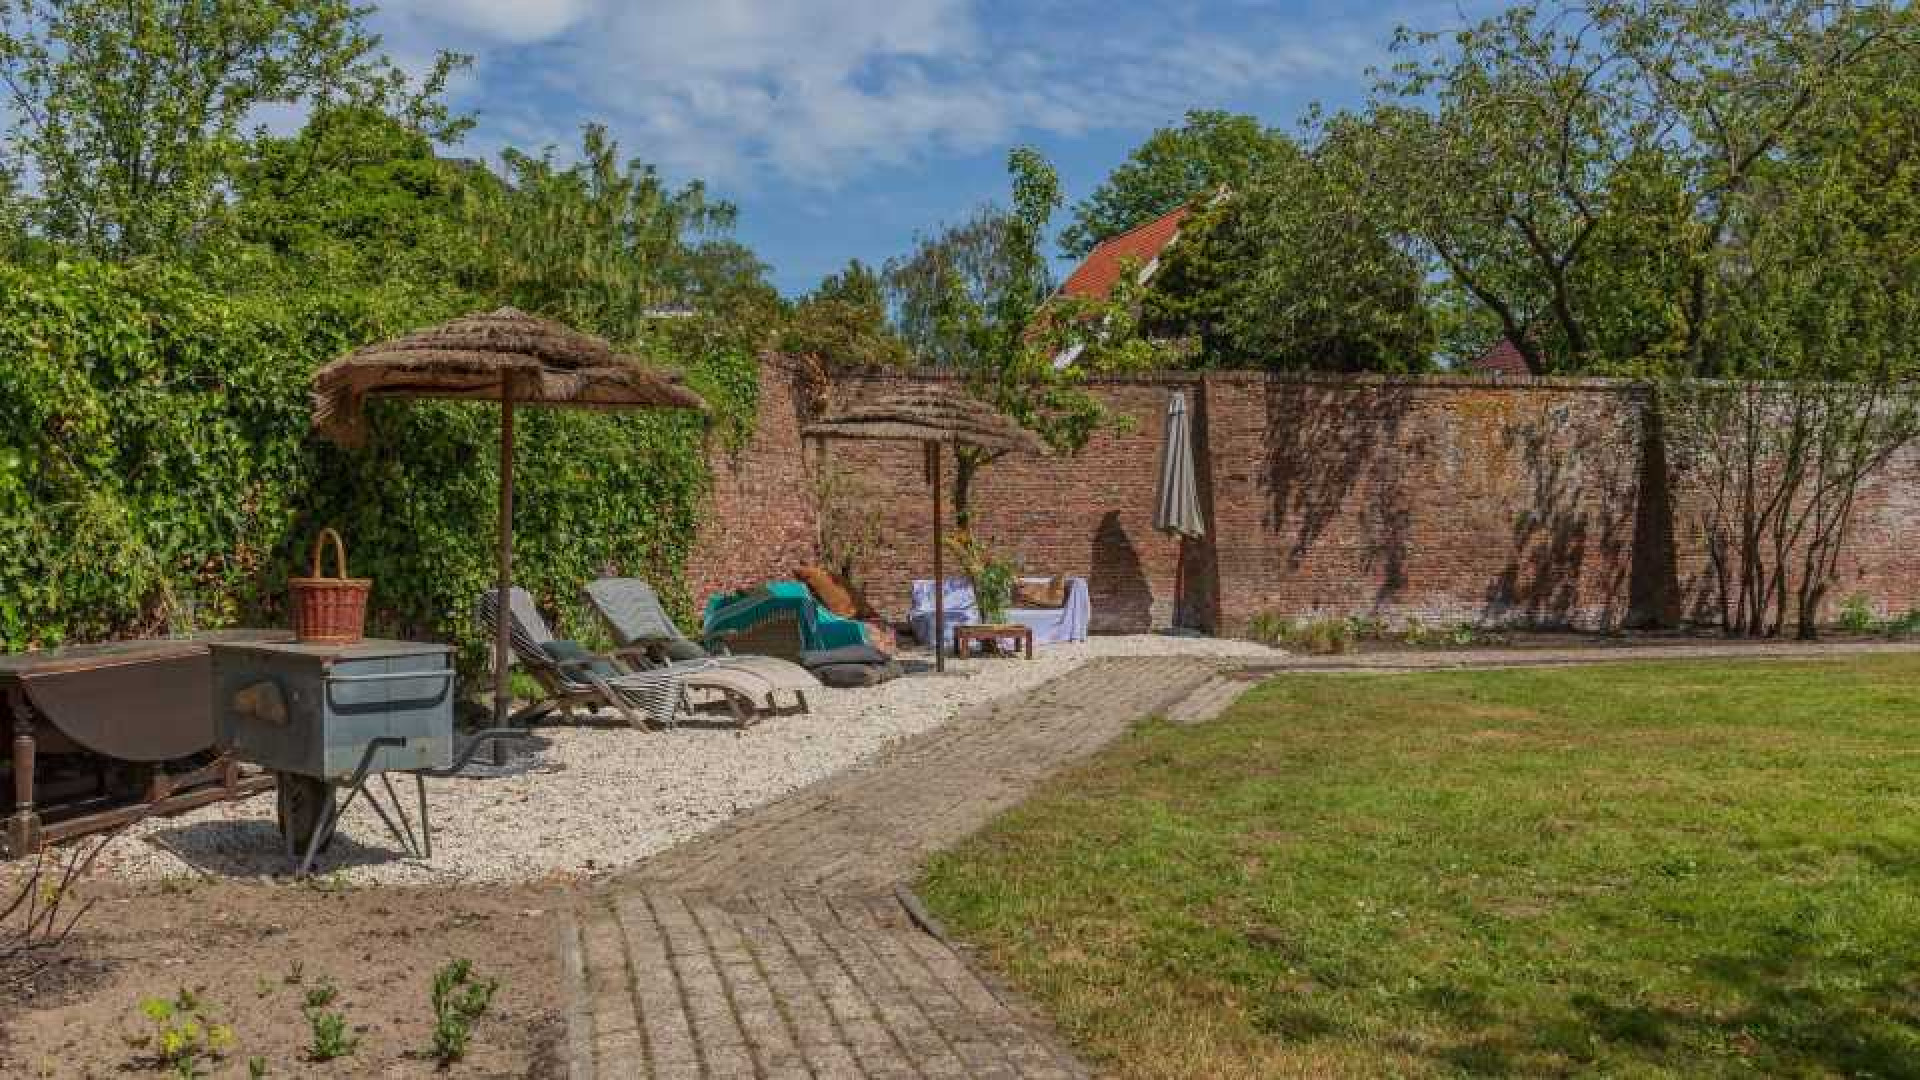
(1439, 499)
(1089, 515)
(1444, 499)
(760, 521)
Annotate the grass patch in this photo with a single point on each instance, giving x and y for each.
(1659, 869)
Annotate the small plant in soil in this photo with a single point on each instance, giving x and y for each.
(183, 1040)
(256, 1068)
(331, 1038)
(1856, 615)
(321, 994)
(459, 999)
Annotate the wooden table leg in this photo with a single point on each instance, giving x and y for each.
(23, 828)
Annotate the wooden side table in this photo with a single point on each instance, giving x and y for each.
(963, 636)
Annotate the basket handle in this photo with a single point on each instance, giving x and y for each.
(339, 550)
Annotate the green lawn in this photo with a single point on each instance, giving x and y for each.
(1648, 870)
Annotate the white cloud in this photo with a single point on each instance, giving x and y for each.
(513, 21)
(821, 91)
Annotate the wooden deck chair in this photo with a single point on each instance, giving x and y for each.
(632, 610)
(573, 677)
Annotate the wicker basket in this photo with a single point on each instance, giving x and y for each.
(329, 610)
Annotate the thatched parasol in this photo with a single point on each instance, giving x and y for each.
(933, 416)
(506, 356)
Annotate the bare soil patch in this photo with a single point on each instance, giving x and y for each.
(252, 951)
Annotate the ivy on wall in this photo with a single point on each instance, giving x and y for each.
(157, 469)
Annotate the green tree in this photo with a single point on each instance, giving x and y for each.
(608, 245)
(356, 198)
(1294, 273)
(969, 298)
(972, 256)
(130, 114)
(843, 323)
(1584, 174)
(1818, 326)
(1210, 150)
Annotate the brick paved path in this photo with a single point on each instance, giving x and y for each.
(778, 946)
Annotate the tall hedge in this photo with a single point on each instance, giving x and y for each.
(155, 459)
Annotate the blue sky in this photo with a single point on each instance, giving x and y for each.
(842, 127)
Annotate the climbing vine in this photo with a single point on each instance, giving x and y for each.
(157, 469)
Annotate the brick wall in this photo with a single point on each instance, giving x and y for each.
(1441, 498)
(760, 521)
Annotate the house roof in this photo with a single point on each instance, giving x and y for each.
(1099, 272)
(1502, 359)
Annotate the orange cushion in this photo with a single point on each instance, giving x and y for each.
(827, 589)
(1051, 593)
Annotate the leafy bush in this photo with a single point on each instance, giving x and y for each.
(157, 471)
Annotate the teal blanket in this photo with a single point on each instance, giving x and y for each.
(819, 628)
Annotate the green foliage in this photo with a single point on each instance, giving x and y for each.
(1594, 178)
(1294, 273)
(329, 1035)
(183, 1040)
(968, 299)
(321, 994)
(1210, 151)
(459, 1000)
(992, 574)
(843, 323)
(155, 457)
(1857, 615)
(1321, 636)
(606, 244)
(132, 114)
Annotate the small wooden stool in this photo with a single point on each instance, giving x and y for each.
(963, 636)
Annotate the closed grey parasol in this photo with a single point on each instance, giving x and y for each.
(1177, 508)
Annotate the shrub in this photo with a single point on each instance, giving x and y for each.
(1904, 626)
(1269, 629)
(1856, 615)
(1325, 636)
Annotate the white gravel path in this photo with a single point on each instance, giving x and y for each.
(607, 797)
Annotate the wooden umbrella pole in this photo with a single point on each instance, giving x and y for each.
(503, 608)
(939, 573)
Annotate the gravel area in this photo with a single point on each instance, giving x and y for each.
(603, 798)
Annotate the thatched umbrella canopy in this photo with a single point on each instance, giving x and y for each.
(505, 356)
(933, 416)
(482, 357)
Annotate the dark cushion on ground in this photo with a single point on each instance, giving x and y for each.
(845, 654)
(853, 675)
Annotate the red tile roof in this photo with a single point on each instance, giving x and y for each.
(1502, 359)
(1097, 274)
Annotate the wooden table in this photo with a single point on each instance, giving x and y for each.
(107, 734)
(996, 633)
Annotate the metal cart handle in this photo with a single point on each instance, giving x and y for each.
(445, 673)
